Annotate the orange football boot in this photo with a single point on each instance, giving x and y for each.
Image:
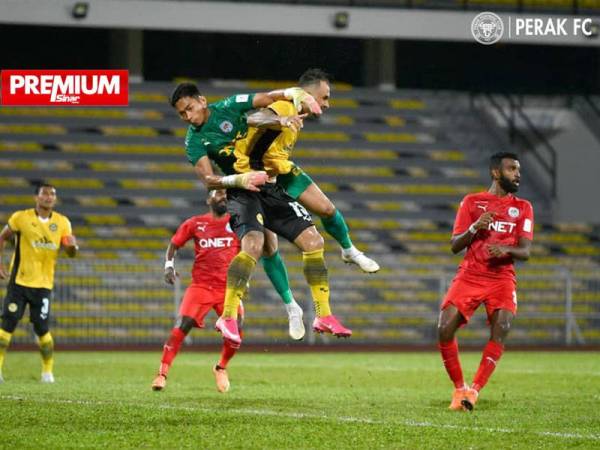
(470, 399)
(458, 396)
(222, 379)
(159, 382)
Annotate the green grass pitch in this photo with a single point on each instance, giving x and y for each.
(297, 401)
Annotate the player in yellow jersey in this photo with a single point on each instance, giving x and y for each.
(266, 148)
(270, 149)
(38, 235)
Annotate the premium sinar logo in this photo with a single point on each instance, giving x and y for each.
(65, 87)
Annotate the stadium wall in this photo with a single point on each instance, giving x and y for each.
(421, 65)
(577, 166)
(128, 304)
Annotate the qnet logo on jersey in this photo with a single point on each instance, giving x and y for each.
(65, 88)
(216, 242)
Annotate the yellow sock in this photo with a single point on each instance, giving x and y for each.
(315, 272)
(238, 275)
(5, 338)
(46, 344)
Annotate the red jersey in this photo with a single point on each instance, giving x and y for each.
(215, 245)
(513, 219)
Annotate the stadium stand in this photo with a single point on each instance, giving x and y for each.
(396, 163)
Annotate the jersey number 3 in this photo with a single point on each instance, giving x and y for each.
(45, 309)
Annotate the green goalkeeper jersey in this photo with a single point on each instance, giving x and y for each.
(214, 138)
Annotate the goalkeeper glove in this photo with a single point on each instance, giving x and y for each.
(249, 180)
(298, 96)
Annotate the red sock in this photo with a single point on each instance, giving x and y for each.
(491, 355)
(449, 351)
(170, 350)
(227, 353)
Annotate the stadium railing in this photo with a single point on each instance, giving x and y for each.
(112, 303)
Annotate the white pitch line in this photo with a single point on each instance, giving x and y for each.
(300, 415)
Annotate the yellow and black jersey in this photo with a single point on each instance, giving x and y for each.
(38, 243)
(268, 149)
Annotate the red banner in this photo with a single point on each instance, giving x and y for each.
(65, 87)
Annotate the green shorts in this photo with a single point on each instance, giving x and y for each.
(295, 182)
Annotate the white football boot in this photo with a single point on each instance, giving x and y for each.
(47, 377)
(295, 314)
(353, 256)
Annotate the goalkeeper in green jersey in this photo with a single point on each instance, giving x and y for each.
(212, 128)
(215, 126)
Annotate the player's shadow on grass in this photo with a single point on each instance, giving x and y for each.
(23, 379)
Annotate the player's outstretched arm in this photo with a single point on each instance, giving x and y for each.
(264, 99)
(250, 180)
(5, 235)
(297, 95)
(267, 118)
(461, 241)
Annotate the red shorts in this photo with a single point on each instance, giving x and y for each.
(467, 292)
(199, 299)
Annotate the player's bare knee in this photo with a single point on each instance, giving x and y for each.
(327, 210)
(253, 243)
(270, 247)
(502, 328)
(445, 331)
(311, 240)
(185, 323)
(318, 243)
(448, 322)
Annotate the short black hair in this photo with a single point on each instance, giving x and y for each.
(496, 159)
(184, 90)
(312, 76)
(39, 186)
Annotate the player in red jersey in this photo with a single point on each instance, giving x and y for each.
(496, 228)
(215, 245)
